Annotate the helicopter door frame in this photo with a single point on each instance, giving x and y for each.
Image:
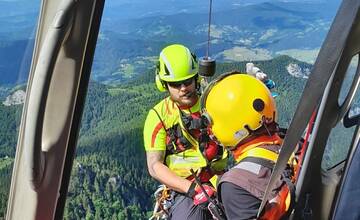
(60, 71)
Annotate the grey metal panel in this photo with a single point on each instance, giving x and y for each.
(60, 62)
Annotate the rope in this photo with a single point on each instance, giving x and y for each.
(209, 27)
(161, 195)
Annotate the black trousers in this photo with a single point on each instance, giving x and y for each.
(239, 204)
(183, 208)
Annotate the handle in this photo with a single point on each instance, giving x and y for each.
(39, 89)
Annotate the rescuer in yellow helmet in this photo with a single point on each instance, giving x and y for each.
(242, 114)
(172, 137)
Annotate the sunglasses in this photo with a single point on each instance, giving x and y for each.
(178, 84)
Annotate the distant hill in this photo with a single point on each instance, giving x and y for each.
(130, 38)
(17, 19)
(287, 19)
(246, 32)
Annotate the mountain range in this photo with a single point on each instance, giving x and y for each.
(133, 33)
(246, 32)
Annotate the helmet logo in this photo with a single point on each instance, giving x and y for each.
(240, 134)
(167, 66)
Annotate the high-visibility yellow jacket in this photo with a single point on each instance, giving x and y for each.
(164, 116)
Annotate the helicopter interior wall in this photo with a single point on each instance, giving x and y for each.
(330, 181)
(348, 206)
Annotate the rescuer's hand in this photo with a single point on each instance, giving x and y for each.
(198, 195)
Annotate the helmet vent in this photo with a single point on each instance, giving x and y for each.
(258, 105)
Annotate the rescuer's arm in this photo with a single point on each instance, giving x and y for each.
(163, 174)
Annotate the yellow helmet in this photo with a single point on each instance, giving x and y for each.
(237, 104)
(176, 63)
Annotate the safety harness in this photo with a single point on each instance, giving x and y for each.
(179, 138)
(197, 125)
(195, 128)
(176, 142)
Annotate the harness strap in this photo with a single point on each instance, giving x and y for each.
(191, 123)
(183, 140)
(173, 134)
(199, 124)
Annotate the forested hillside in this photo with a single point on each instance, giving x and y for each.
(9, 121)
(109, 178)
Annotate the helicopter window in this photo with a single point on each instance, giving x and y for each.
(340, 137)
(345, 88)
(17, 37)
(354, 111)
(337, 146)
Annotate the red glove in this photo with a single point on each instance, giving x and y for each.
(200, 196)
